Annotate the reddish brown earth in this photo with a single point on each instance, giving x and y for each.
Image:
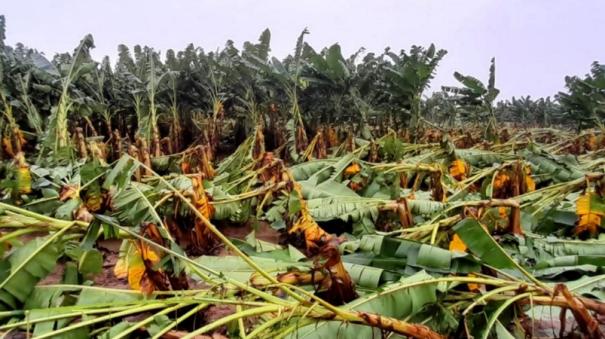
(264, 232)
(110, 250)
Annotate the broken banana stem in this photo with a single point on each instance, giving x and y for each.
(403, 211)
(397, 326)
(494, 203)
(590, 304)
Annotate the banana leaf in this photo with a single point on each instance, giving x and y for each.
(235, 268)
(391, 301)
(306, 170)
(24, 268)
(555, 167)
(481, 158)
(121, 173)
(401, 257)
(54, 300)
(344, 208)
(326, 189)
(482, 245)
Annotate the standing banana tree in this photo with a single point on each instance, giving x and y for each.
(549, 112)
(12, 138)
(441, 109)
(142, 78)
(27, 86)
(285, 77)
(525, 110)
(328, 76)
(129, 92)
(27, 103)
(218, 67)
(478, 98)
(148, 126)
(410, 76)
(251, 92)
(521, 110)
(370, 90)
(585, 101)
(104, 93)
(71, 68)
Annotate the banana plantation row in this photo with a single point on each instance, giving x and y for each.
(193, 96)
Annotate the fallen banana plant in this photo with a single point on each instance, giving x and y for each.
(439, 243)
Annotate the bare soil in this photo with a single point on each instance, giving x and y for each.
(110, 250)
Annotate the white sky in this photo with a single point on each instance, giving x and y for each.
(535, 42)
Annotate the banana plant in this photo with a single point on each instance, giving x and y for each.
(28, 86)
(370, 90)
(76, 66)
(104, 93)
(34, 117)
(12, 137)
(441, 109)
(148, 126)
(584, 101)
(129, 92)
(286, 78)
(251, 93)
(410, 76)
(328, 75)
(10, 132)
(478, 98)
(143, 77)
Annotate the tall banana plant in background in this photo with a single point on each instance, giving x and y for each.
(370, 92)
(294, 67)
(289, 75)
(27, 86)
(285, 77)
(521, 110)
(525, 110)
(218, 66)
(72, 67)
(129, 91)
(12, 138)
(441, 109)
(27, 101)
(478, 98)
(105, 94)
(410, 76)
(185, 93)
(584, 101)
(328, 76)
(148, 125)
(175, 130)
(549, 112)
(251, 90)
(143, 78)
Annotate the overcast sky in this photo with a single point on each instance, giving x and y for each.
(535, 42)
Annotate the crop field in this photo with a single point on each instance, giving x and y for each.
(232, 194)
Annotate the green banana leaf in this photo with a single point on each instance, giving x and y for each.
(23, 269)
